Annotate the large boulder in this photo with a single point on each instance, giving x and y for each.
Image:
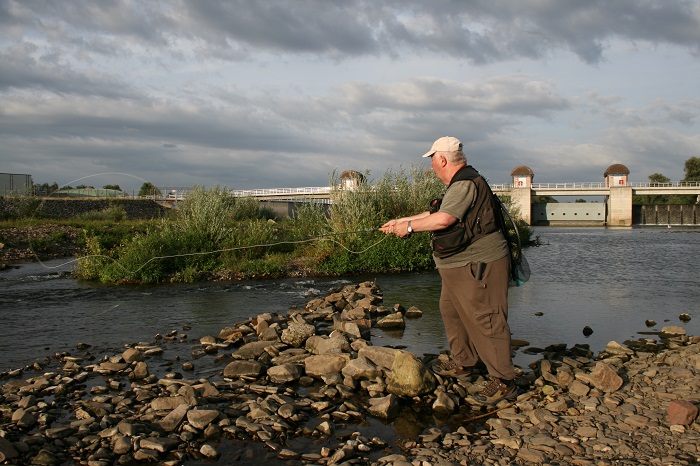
(409, 376)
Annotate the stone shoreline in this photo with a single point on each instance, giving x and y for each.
(54, 241)
(303, 387)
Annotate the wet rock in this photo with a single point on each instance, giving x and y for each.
(672, 331)
(386, 407)
(334, 344)
(361, 368)
(173, 419)
(122, 445)
(159, 444)
(243, 369)
(201, 418)
(167, 403)
(140, 371)
(605, 378)
(254, 349)
(132, 355)
(409, 377)
(381, 356)
(23, 418)
(324, 365)
(208, 451)
(413, 313)
(392, 321)
(45, 458)
(285, 373)
(444, 403)
(7, 450)
(297, 333)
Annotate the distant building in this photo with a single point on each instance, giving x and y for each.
(522, 176)
(616, 175)
(14, 184)
(351, 179)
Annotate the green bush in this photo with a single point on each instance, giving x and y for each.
(245, 208)
(212, 231)
(205, 212)
(110, 214)
(20, 207)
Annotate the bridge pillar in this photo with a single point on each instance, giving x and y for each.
(522, 202)
(620, 207)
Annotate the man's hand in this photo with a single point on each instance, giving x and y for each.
(395, 227)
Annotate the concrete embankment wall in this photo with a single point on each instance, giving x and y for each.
(69, 208)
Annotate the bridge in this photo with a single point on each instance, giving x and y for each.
(616, 210)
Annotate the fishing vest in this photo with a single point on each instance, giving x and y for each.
(479, 220)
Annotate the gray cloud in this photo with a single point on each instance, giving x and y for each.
(481, 30)
(171, 89)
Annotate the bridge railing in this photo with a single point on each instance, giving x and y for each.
(178, 193)
(602, 185)
(672, 184)
(594, 185)
(281, 191)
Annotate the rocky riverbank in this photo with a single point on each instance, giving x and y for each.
(25, 244)
(310, 387)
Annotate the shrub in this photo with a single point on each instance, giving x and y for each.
(110, 214)
(205, 212)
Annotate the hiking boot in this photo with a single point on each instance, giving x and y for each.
(496, 390)
(449, 368)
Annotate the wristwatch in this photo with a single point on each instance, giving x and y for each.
(409, 228)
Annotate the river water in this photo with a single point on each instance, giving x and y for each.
(612, 280)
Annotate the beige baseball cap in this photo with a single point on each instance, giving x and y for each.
(445, 144)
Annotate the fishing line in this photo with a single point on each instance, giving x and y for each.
(325, 236)
(31, 248)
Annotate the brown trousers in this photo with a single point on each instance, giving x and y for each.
(475, 314)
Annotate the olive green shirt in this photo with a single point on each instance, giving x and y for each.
(458, 198)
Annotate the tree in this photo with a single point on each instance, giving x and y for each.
(692, 169)
(543, 200)
(658, 178)
(148, 189)
(112, 186)
(692, 173)
(655, 179)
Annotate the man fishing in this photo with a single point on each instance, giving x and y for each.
(472, 257)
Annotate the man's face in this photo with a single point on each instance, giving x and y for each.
(438, 163)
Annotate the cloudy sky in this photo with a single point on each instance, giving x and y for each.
(282, 93)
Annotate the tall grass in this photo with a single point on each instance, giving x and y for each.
(205, 212)
(214, 232)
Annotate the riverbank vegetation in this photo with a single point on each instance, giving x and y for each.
(212, 235)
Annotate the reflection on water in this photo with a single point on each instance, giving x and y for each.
(612, 280)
